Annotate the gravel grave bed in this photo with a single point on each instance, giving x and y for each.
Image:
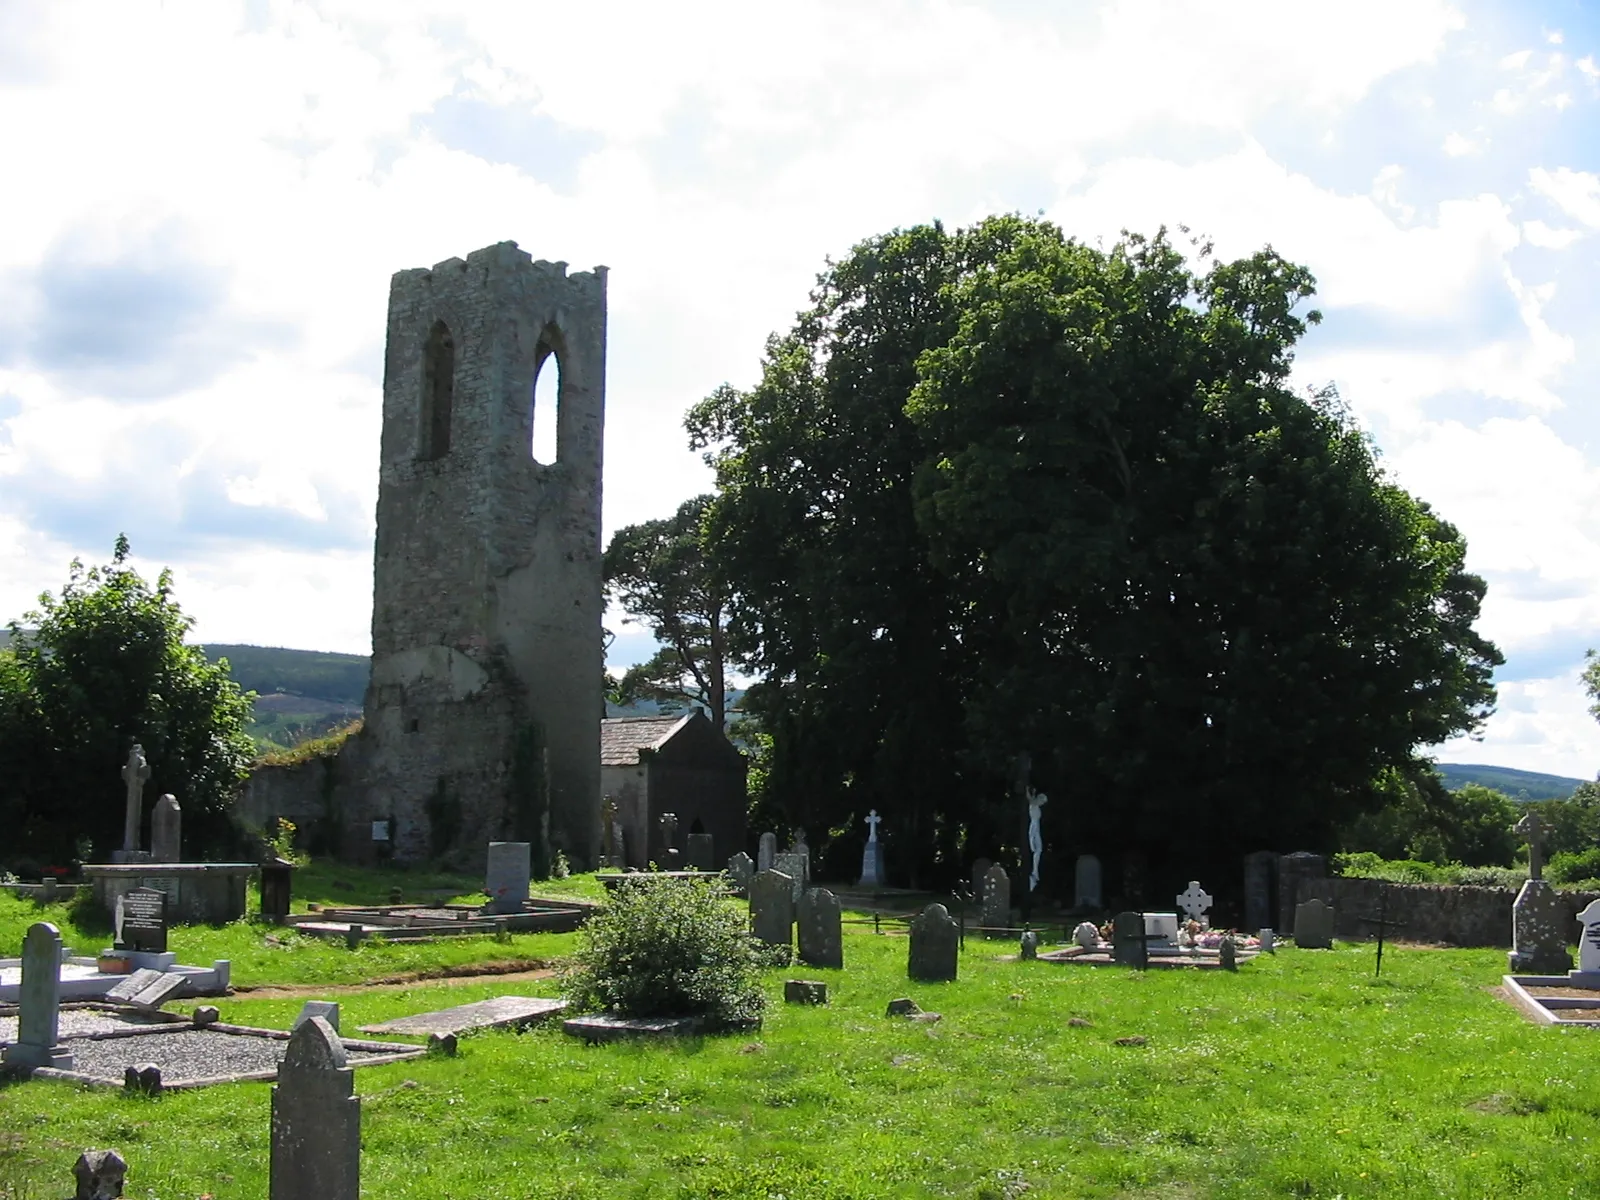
(83, 1022)
(188, 1055)
(1575, 992)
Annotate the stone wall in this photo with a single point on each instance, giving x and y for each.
(1453, 914)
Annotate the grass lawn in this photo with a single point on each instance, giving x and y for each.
(1300, 1075)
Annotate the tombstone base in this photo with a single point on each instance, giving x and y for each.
(1546, 960)
(27, 1058)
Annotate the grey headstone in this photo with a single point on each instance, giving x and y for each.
(318, 1010)
(935, 945)
(1539, 924)
(166, 831)
(740, 871)
(1228, 954)
(143, 1079)
(996, 913)
(100, 1175)
(1293, 871)
(821, 929)
(1127, 940)
(1030, 946)
(38, 1041)
(980, 876)
(506, 880)
(1260, 875)
(1086, 882)
(1313, 925)
(766, 851)
(872, 872)
(702, 856)
(795, 867)
(1269, 941)
(804, 991)
(772, 908)
(316, 1120)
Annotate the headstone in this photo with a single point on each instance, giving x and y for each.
(1260, 873)
(165, 986)
(801, 857)
(666, 853)
(1127, 939)
(324, 1010)
(1539, 925)
(804, 991)
(980, 876)
(935, 944)
(1589, 943)
(1086, 935)
(1161, 927)
(1268, 940)
(143, 1079)
(766, 851)
(100, 1175)
(772, 908)
(142, 921)
(872, 854)
(740, 871)
(821, 929)
(1195, 901)
(996, 899)
(1313, 925)
(38, 1041)
(700, 853)
(1294, 870)
(793, 866)
(1086, 883)
(1030, 946)
(316, 1120)
(134, 775)
(1532, 829)
(506, 880)
(1228, 953)
(166, 831)
(1135, 867)
(277, 889)
(608, 833)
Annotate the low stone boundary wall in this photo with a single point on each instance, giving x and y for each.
(1454, 914)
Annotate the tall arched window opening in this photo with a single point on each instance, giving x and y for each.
(545, 418)
(438, 392)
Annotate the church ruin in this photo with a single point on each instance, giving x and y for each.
(484, 706)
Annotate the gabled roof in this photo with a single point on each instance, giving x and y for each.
(622, 738)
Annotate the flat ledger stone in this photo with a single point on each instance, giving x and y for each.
(604, 1028)
(496, 1013)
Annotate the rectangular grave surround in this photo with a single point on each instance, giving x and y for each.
(1160, 957)
(191, 1056)
(1557, 999)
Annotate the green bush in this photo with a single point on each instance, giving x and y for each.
(1574, 867)
(668, 948)
(1367, 865)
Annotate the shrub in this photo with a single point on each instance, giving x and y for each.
(1574, 867)
(668, 948)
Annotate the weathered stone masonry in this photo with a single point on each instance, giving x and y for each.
(487, 594)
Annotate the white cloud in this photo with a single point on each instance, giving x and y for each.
(1537, 233)
(1576, 193)
(1456, 145)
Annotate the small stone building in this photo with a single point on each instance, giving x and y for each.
(679, 763)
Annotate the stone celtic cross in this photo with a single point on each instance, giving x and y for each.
(873, 820)
(1194, 901)
(134, 775)
(1532, 828)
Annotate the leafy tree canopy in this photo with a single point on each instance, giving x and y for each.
(102, 666)
(999, 493)
(659, 573)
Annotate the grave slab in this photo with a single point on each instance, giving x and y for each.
(604, 1028)
(500, 1012)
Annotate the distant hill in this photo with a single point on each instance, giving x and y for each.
(1519, 785)
(300, 693)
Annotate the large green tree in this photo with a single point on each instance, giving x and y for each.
(1001, 493)
(98, 668)
(659, 573)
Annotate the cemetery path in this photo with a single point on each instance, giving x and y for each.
(513, 970)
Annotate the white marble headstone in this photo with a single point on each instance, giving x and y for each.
(1589, 944)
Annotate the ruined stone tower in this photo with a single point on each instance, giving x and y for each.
(483, 711)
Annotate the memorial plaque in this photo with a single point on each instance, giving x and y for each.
(144, 921)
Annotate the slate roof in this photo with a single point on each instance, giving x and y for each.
(621, 738)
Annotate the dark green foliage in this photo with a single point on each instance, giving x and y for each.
(1581, 866)
(103, 666)
(1574, 823)
(1000, 493)
(668, 948)
(1519, 785)
(659, 573)
(336, 678)
(1420, 819)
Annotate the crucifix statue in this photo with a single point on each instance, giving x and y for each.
(1036, 801)
(134, 775)
(873, 820)
(1532, 828)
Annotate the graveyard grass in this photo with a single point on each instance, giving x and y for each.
(1300, 1075)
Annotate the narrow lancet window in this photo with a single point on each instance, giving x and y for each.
(438, 392)
(545, 416)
